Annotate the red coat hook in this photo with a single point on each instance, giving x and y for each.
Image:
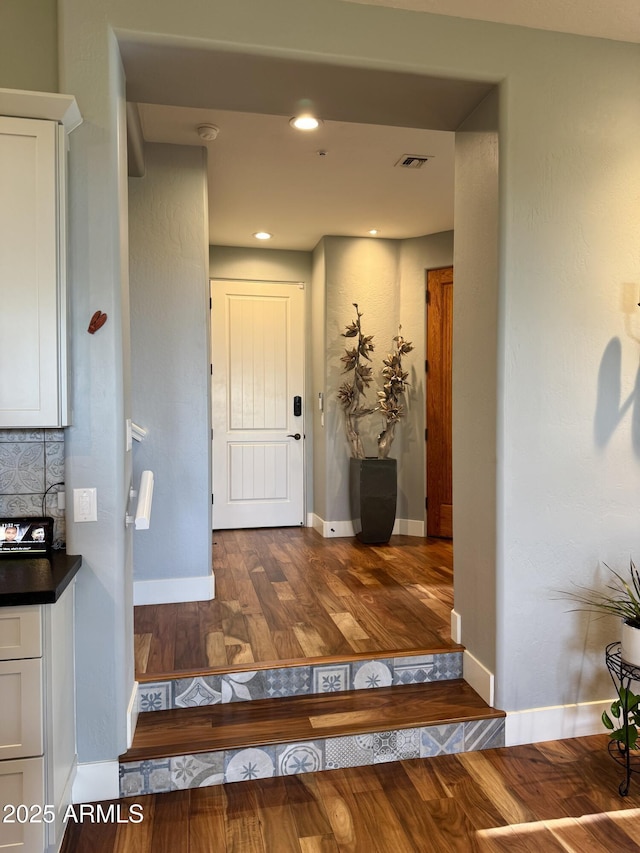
(97, 322)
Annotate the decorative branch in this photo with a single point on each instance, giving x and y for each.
(351, 394)
(393, 392)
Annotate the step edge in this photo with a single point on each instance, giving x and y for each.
(259, 666)
(152, 754)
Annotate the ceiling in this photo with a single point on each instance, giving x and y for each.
(264, 175)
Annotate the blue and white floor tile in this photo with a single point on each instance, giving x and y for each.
(483, 734)
(331, 679)
(372, 674)
(294, 758)
(442, 740)
(155, 696)
(145, 777)
(252, 763)
(194, 692)
(349, 751)
(290, 681)
(197, 771)
(396, 745)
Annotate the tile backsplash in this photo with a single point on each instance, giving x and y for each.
(31, 460)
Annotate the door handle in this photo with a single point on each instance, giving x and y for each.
(297, 436)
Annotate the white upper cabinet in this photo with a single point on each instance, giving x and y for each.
(33, 306)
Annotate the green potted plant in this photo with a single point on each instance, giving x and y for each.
(620, 598)
(623, 719)
(372, 480)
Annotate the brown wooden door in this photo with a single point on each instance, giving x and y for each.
(439, 352)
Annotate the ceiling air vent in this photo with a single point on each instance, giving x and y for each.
(413, 161)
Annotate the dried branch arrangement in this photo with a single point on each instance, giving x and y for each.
(352, 393)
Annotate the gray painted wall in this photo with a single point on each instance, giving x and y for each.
(259, 264)
(95, 443)
(475, 371)
(170, 353)
(29, 45)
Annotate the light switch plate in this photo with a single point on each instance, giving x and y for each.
(85, 505)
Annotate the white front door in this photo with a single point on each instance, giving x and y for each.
(257, 343)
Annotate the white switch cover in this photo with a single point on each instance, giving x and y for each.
(85, 505)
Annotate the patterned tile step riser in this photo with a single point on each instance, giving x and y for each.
(160, 775)
(298, 681)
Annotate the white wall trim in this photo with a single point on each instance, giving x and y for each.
(456, 627)
(409, 527)
(555, 723)
(336, 529)
(98, 780)
(478, 677)
(173, 590)
(132, 714)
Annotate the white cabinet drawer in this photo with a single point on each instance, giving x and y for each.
(20, 632)
(21, 783)
(21, 717)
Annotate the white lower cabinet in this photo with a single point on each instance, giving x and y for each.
(21, 784)
(37, 724)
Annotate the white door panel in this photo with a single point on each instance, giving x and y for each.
(257, 332)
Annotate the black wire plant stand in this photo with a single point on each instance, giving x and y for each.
(622, 674)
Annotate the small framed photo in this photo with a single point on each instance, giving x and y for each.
(27, 536)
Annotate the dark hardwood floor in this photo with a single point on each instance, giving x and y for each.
(288, 594)
(556, 796)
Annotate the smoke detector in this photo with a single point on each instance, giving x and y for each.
(208, 132)
(413, 161)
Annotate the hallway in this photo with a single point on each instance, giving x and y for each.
(287, 594)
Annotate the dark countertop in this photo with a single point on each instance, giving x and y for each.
(36, 581)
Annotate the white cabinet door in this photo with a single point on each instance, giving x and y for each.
(20, 632)
(31, 277)
(21, 785)
(21, 718)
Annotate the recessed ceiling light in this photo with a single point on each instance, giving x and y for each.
(262, 235)
(304, 122)
(373, 232)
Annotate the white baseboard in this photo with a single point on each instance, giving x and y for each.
(478, 677)
(555, 723)
(173, 590)
(133, 709)
(336, 529)
(456, 627)
(409, 527)
(96, 781)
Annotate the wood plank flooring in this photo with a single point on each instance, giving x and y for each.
(236, 725)
(288, 594)
(555, 796)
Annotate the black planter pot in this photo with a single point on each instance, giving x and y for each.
(373, 490)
